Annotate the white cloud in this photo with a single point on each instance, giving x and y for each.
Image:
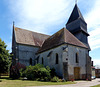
(93, 21)
(94, 39)
(96, 61)
(36, 14)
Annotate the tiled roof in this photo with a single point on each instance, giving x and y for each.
(61, 37)
(27, 37)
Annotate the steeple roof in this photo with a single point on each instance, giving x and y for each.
(75, 15)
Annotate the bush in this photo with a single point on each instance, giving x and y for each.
(55, 79)
(15, 70)
(52, 72)
(22, 73)
(37, 72)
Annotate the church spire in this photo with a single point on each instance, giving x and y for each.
(75, 14)
(77, 25)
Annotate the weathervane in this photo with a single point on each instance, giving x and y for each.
(75, 1)
(13, 22)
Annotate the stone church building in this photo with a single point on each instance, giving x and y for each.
(67, 50)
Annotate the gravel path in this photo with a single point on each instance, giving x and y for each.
(78, 84)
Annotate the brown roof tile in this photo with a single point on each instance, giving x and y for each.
(61, 37)
(27, 37)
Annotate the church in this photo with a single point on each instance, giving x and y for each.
(67, 50)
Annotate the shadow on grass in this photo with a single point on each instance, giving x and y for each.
(6, 77)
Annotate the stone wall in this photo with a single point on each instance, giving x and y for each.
(51, 59)
(25, 53)
(66, 65)
(72, 50)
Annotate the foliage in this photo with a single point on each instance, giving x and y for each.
(4, 58)
(52, 72)
(37, 72)
(22, 72)
(55, 79)
(15, 70)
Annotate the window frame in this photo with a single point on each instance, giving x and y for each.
(30, 61)
(76, 58)
(57, 58)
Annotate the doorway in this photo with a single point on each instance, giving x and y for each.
(76, 73)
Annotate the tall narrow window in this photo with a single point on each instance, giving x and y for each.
(30, 61)
(77, 60)
(42, 61)
(37, 60)
(57, 58)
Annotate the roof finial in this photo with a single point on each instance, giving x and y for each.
(75, 1)
(13, 23)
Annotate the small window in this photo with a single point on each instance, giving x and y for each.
(49, 54)
(30, 61)
(57, 58)
(77, 60)
(37, 59)
(42, 61)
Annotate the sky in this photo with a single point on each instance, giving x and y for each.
(48, 17)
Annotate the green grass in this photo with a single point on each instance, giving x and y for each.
(7, 82)
(96, 86)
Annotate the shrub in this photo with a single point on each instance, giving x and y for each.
(52, 72)
(37, 72)
(15, 70)
(55, 79)
(22, 73)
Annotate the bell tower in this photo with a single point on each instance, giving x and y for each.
(77, 26)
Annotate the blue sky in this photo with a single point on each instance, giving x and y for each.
(49, 16)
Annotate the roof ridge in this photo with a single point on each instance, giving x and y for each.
(23, 36)
(64, 35)
(31, 31)
(60, 37)
(80, 14)
(76, 38)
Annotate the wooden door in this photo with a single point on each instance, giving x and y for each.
(76, 73)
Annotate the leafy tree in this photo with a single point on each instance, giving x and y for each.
(4, 58)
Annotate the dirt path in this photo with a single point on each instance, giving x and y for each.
(78, 84)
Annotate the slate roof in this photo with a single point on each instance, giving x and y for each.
(61, 37)
(75, 15)
(27, 37)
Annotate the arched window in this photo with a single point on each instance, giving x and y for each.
(30, 61)
(77, 59)
(42, 61)
(57, 60)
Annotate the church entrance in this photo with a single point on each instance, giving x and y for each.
(76, 73)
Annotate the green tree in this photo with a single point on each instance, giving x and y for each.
(4, 58)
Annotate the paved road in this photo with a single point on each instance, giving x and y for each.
(78, 84)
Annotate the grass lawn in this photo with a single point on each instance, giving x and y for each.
(7, 82)
(96, 86)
